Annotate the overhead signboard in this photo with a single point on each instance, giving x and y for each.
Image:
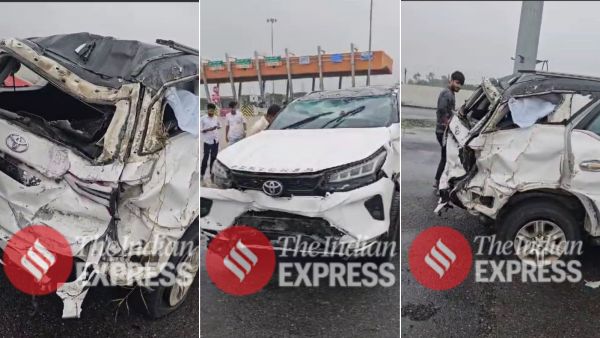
(243, 63)
(366, 56)
(216, 65)
(336, 58)
(304, 60)
(273, 60)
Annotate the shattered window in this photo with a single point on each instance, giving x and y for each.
(49, 111)
(346, 112)
(571, 104)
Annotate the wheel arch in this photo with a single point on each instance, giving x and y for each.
(572, 202)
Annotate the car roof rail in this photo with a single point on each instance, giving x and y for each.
(563, 75)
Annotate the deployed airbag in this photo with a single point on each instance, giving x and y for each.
(186, 107)
(528, 110)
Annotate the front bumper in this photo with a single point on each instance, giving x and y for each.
(341, 214)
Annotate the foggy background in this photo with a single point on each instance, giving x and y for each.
(239, 27)
(479, 38)
(133, 21)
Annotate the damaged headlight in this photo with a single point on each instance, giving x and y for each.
(357, 175)
(221, 175)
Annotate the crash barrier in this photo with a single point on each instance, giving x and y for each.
(426, 96)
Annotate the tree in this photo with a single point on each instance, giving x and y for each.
(430, 77)
(417, 77)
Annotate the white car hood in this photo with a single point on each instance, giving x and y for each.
(303, 150)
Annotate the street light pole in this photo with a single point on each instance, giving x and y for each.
(370, 54)
(272, 21)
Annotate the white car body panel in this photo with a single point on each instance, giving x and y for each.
(536, 158)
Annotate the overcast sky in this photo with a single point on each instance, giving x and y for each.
(137, 21)
(479, 38)
(239, 27)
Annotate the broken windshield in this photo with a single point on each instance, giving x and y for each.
(348, 112)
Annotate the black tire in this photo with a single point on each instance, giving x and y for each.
(526, 211)
(156, 304)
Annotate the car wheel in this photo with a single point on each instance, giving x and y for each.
(540, 231)
(394, 232)
(162, 300)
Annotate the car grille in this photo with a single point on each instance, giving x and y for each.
(299, 184)
(274, 224)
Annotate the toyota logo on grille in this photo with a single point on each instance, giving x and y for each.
(16, 143)
(272, 188)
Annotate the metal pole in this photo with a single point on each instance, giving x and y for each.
(529, 35)
(206, 90)
(313, 85)
(260, 82)
(239, 92)
(352, 66)
(370, 56)
(340, 83)
(230, 76)
(320, 61)
(289, 73)
(272, 21)
(287, 90)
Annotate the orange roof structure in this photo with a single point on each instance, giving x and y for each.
(333, 65)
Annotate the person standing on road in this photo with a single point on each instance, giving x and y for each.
(236, 126)
(265, 121)
(446, 105)
(209, 126)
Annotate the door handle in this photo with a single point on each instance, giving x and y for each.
(593, 165)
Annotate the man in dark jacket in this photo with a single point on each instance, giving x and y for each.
(446, 104)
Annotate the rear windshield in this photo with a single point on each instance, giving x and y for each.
(348, 112)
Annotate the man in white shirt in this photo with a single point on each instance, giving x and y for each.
(209, 126)
(264, 121)
(236, 126)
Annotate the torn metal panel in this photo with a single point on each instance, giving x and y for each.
(542, 157)
(132, 202)
(110, 62)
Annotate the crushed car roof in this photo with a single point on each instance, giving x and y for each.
(535, 82)
(349, 92)
(110, 62)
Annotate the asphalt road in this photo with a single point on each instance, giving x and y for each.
(300, 311)
(101, 316)
(481, 309)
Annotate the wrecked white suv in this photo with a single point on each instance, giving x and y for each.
(90, 147)
(324, 172)
(525, 151)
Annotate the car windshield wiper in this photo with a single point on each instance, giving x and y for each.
(343, 116)
(306, 120)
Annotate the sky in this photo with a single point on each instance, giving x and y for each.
(479, 38)
(239, 27)
(136, 21)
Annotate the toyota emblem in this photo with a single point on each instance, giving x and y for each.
(272, 188)
(17, 143)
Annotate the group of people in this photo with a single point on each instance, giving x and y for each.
(235, 130)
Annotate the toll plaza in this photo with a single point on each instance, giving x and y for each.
(290, 66)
